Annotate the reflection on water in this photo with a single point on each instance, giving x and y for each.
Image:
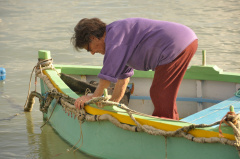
(46, 143)
(27, 26)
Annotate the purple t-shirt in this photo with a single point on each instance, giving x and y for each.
(141, 44)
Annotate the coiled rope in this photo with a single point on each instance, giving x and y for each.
(38, 68)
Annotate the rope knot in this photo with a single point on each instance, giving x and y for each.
(230, 117)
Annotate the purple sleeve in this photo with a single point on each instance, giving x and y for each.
(114, 64)
(127, 72)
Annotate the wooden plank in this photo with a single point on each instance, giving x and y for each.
(214, 113)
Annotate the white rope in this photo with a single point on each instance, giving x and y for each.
(47, 64)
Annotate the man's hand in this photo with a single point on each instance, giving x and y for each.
(79, 103)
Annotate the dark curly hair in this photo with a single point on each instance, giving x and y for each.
(85, 29)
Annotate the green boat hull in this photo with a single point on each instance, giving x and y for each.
(105, 140)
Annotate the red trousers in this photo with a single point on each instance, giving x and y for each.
(166, 82)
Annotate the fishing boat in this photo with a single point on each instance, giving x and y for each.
(208, 104)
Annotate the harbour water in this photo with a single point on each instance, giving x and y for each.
(27, 26)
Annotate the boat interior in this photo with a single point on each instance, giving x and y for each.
(198, 101)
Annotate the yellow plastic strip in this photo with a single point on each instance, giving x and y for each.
(163, 126)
